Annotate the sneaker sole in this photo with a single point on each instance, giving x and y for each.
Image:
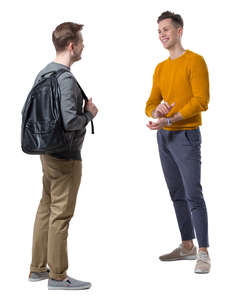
(188, 257)
(34, 280)
(201, 272)
(68, 288)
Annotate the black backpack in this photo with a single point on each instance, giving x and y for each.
(42, 129)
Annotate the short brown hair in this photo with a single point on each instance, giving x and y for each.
(64, 34)
(176, 19)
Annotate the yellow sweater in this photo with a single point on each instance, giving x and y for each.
(183, 80)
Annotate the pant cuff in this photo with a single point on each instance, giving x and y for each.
(203, 246)
(55, 276)
(35, 269)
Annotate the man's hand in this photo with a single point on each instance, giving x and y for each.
(91, 107)
(162, 109)
(159, 124)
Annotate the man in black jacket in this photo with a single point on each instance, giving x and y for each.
(61, 171)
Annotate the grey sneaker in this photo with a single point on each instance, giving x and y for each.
(68, 284)
(37, 276)
(203, 263)
(180, 253)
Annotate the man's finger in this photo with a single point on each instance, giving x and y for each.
(149, 126)
(152, 123)
(161, 110)
(154, 127)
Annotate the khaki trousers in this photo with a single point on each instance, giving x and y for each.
(61, 181)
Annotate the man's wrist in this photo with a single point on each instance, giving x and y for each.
(153, 114)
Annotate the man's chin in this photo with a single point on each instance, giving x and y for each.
(166, 46)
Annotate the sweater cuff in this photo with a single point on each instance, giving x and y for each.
(149, 112)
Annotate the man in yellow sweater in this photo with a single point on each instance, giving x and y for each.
(179, 94)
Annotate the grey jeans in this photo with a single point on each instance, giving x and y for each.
(180, 154)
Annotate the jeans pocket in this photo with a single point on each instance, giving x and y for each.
(194, 136)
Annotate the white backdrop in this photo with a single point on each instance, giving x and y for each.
(124, 218)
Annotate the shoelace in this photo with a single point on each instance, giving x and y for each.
(203, 257)
(67, 281)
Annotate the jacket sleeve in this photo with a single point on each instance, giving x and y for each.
(199, 80)
(155, 96)
(71, 120)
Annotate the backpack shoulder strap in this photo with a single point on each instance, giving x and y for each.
(61, 71)
(56, 73)
(83, 94)
(86, 100)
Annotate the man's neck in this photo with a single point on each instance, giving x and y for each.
(63, 59)
(176, 51)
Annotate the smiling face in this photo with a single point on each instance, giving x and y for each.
(169, 34)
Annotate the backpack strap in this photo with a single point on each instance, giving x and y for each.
(61, 71)
(56, 73)
(86, 100)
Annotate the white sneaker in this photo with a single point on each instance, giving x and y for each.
(203, 263)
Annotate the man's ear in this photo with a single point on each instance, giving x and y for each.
(180, 31)
(70, 46)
